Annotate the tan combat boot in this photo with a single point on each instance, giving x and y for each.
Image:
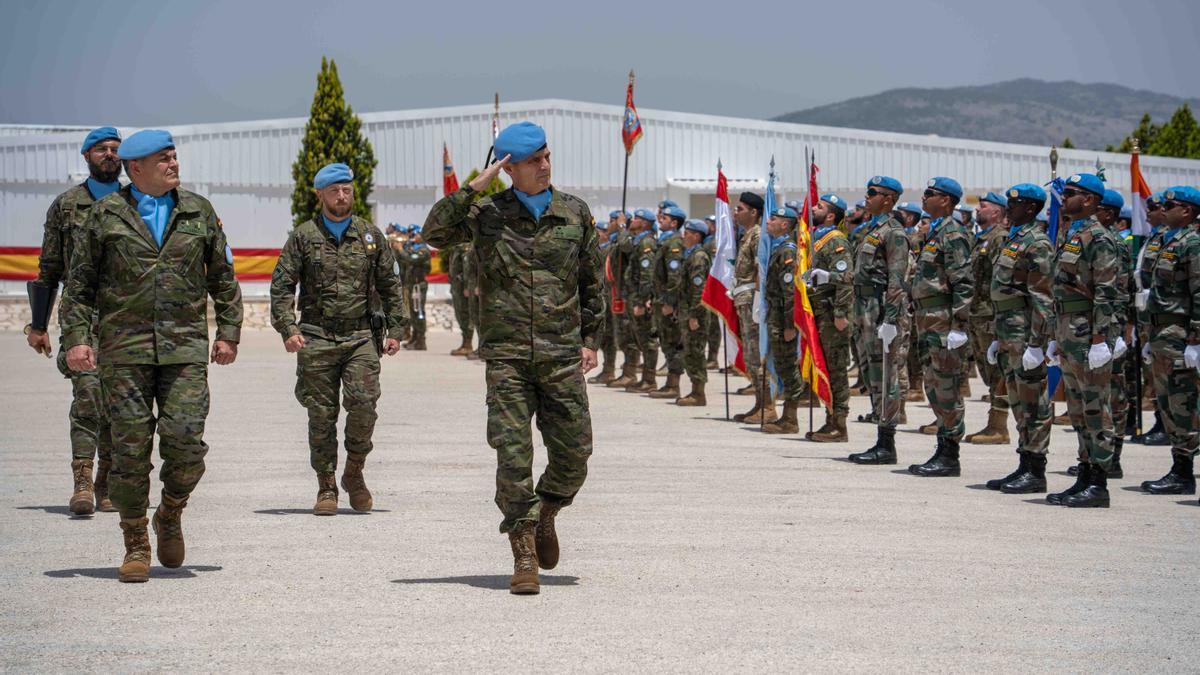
(647, 384)
(964, 389)
(525, 561)
(606, 375)
(418, 344)
(668, 390)
(354, 485)
(824, 428)
(103, 503)
(916, 390)
(742, 417)
(748, 390)
(83, 498)
(765, 415)
(463, 349)
(786, 424)
(996, 431)
(1063, 420)
(930, 429)
(327, 495)
(135, 568)
(836, 434)
(628, 376)
(169, 530)
(695, 398)
(546, 539)
(902, 416)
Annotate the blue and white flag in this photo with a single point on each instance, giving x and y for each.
(760, 301)
(1054, 372)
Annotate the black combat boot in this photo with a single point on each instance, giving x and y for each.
(1022, 467)
(1095, 495)
(944, 462)
(1115, 471)
(1157, 435)
(883, 452)
(1031, 481)
(1082, 478)
(1178, 481)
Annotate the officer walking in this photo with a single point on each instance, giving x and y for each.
(831, 291)
(696, 265)
(143, 263)
(542, 313)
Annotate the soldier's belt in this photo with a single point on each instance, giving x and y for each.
(874, 290)
(1072, 306)
(932, 301)
(343, 325)
(1009, 304)
(1169, 320)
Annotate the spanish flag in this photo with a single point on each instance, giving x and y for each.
(449, 179)
(811, 358)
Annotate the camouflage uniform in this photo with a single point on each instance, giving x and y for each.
(881, 274)
(715, 333)
(608, 337)
(983, 256)
(542, 303)
(668, 281)
(418, 261)
(335, 306)
(456, 264)
(834, 300)
(152, 334)
(693, 275)
(89, 420)
(639, 289)
(941, 295)
(745, 271)
(619, 261)
(780, 295)
(1123, 315)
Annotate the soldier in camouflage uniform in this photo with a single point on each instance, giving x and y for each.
(144, 261)
(642, 246)
(881, 273)
(991, 216)
(746, 215)
(341, 268)
(692, 311)
(456, 272)
(543, 311)
(619, 260)
(715, 332)
(1170, 316)
(779, 291)
(1086, 269)
(941, 294)
(418, 261)
(912, 378)
(668, 285)
(831, 292)
(90, 437)
(1023, 323)
(606, 234)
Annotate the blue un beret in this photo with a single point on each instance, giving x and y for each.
(999, 200)
(1156, 198)
(1027, 191)
(666, 204)
(1112, 199)
(144, 143)
(947, 185)
(835, 201)
(1183, 193)
(886, 182)
(794, 204)
(615, 213)
(1126, 213)
(519, 141)
(1089, 182)
(696, 226)
(414, 228)
(860, 204)
(674, 212)
(331, 174)
(786, 212)
(911, 207)
(644, 214)
(99, 134)
(710, 218)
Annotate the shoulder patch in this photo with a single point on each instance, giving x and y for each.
(228, 254)
(645, 262)
(674, 264)
(787, 278)
(698, 280)
(840, 266)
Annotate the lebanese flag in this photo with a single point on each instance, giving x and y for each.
(449, 180)
(1140, 192)
(813, 368)
(720, 277)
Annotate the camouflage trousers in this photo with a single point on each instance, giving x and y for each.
(714, 338)
(627, 339)
(670, 339)
(90, 436)
(943, 372)
(609, 337)
(783, 355)
(880, 381)
(744, 304)
(462, 309)
(1175, 390)
(981, 335)
(694, 343)
(1026, 396)
(836, 346)
(416, 295)
(554, 392)
(645, 337)
(1118, 400)
(322, 368)
(180, 393)
(1087, 391)
(917, 357)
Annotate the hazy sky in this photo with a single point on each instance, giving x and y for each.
(143, 62)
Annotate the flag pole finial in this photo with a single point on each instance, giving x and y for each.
(718, 163)
(1136, 149)
(631, 76)
(1053, 162)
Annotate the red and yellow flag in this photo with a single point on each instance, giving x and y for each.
(811, 358)
(631, 126)
(449, 180)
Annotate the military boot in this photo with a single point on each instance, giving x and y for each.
(786, 424)
(525, 562)
(354, 485)
(103, 503)
(418, 343)
(765, 414)
(836, 433)
(474, 355)
(1022, 467)
(712, 364)
(943, 464)
(628, 373)
(1095, 495)
(1178, 481)
(929, 429)
(883, 452)
(327, 495)
(1082, 478)
(168, 528)
(695, 398)
(1031, 481)
(1115, 471)
(752, 412)
(824, 428)
(902, 416)
(1063, 420)
(670, 389)
(83, 501)
(964, 388)
(996, 431)
(748, 390)
(1157, 434)
(916, 390)
(135, 568)
(463, 349)
(545, 538)
(647, 384)
(606, 375)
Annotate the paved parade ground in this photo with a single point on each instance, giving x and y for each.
(696, 545)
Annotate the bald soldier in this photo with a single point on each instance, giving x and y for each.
(90, 437)
(542, 312)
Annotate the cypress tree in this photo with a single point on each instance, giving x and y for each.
(333, 134)
(1177, 137)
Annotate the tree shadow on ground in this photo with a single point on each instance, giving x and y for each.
(308, 512)
(495, 582)
(185, 572)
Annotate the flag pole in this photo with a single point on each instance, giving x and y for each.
(628, 152)
(724, 334)
(767, 394)
(808, 163)
(495, 130)
(1137, 335)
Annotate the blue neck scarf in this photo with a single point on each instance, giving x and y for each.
(535, 204)
(640, 236)
(155, 212)
(821, 231)
(1075, 225)
(101, 190)
(337, 227)
(1169, 235)
(664, 234)
(688, 251)
(933, 225)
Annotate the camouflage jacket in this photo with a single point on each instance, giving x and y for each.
(780, 289)
(745, 267)
(639, 273)
(1123, 302)
(540, 294)
(943, 275)
(418, 261)
(1019, 290)
(1170, 270)
(983, 256)
(831, 252)
(334, 279)
(65, 216)
(882, 266)
(152, 303)
(668, 270)
(696, 264)
(1085, 276)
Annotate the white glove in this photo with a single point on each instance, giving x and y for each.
(818, 277)
(956, 339)
(1119, 347)
(1098, 355)
(992, 349)
(887, 333)
(1146, 354)
(1032, 358)
(1191, 356)
(1141, 299)
(1052, 353)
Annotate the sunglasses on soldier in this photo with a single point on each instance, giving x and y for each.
(872, 192)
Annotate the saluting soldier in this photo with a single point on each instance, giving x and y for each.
(831, 291)
(668, 283)
(144, 263)
(697, 262)
(993, 234)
